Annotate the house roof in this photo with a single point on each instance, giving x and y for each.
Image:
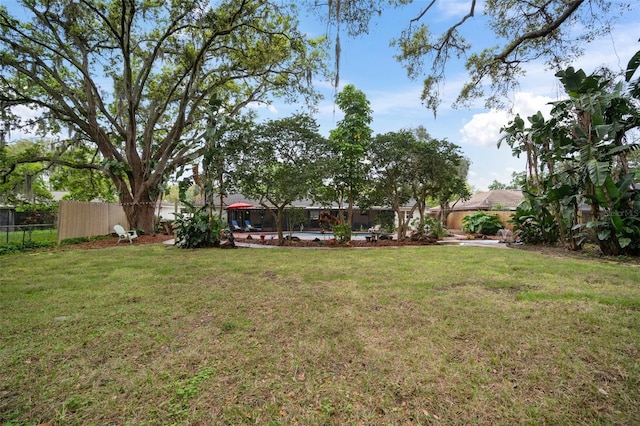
(502, 198)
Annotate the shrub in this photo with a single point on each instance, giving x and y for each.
(386, 220)
(198, 229)
(12, 248)
(434, 227)
(342, 232)
(534, 225)
(481, 223)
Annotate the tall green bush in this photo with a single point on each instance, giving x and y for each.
(482, 223)
(533, 223)
(197, 229)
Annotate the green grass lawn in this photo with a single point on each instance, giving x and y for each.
(41, 236)
(421, 335)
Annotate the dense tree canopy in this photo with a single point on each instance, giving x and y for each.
(132, 78)
(22, 181)
(438, 173)
(556, 31)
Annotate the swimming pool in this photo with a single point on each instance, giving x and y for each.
(318, 235)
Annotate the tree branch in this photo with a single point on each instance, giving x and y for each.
(544, 31)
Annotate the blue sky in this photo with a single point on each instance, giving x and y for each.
(368, 63)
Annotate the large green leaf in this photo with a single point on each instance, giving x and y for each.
(633, 65)
(624, 184)
(616, 220)
(598, 171)
(603, 130)
(612, 189)
(604, 234)
(600, 195)
(624, 242)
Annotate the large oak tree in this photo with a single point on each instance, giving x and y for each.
(132, 78)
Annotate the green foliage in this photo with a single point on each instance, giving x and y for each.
(534, 224)
(295, 217)
(386, 220)
(21, 180)
(74, 240)
(342, 232)
(78, 240)
(580, 157)
(350, 142)
(162, 77)
(85, 183)
(37, 207)
(525, 31)
(438, 172)
(13, 248)
(482, 223)
(433, 226)
(514, 184)
(283, 165)
(197, 229)
(390, 174)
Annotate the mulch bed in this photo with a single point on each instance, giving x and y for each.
(334, 244)
(112, 242)
(160, 238)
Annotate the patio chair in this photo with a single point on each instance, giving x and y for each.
(249, 227)
(376, 232)
(235, 226)
(375, 229)
(125, 235)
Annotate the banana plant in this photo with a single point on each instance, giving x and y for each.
(580, 156)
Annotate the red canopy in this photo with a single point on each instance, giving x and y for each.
(239, 206)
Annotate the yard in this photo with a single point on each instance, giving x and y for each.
(152, 334)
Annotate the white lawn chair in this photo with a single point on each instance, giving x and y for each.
(125, 235)
(376, 232)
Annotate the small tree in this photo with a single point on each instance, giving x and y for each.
(349, 144)
(390, 175)
(439, 172)
(283, 167)
(197, 228)
(295, 217)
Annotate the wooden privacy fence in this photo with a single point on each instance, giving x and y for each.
(454, 220)
(79, 219)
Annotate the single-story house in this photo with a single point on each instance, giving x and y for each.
(502, 202)
(258, 216)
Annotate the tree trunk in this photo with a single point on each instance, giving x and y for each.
(277, 217)
(402, 223)
(350, 216)
(141, 216)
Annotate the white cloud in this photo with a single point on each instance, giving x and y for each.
(456, 8)
(261, 106)
(484, 128)
(25, 114)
